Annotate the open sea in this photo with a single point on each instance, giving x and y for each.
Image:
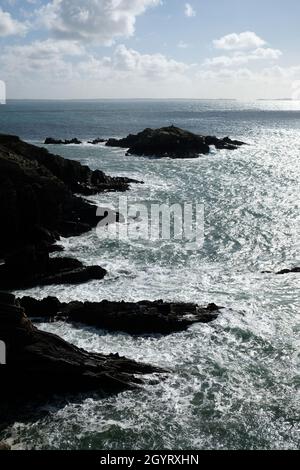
(234, 383)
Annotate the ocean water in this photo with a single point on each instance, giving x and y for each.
(233, 384)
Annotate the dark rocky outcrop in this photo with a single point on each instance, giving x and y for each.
(78, 178)
(236, 143)
(75, 141)
(135, 318)
(42, 363)
(283, 271)
(289, 271)
(32, 266)
(37, 201)
(51, 141)
(97, 141)
(171, 142)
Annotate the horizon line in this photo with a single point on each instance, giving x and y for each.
(149, 99)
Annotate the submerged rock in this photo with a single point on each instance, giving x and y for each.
(171, 142)
(42, 363)
(135, 318)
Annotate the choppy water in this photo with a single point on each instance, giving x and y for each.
(234, 383)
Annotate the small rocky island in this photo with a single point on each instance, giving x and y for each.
(172, 142)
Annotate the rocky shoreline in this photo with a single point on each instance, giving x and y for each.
(40, 201)
(41, 363)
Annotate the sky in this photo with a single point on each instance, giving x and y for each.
(201, 49)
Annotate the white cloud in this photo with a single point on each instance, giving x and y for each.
(149, 65)
(9, 26)
(239, 58)
(52, 59)
(267, 53)
(234, 41)
(189, 10)
(40, 59)
(287, 75)
(68, 67)
(93, 20)
(44, 50)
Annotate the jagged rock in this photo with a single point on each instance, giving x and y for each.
(78, 178)
(79, 275)
(51, 141)
(171, 142)
(223, 144)
(289, 271)
(97, 141)
(42, 363)
(32, 266)
(36, 200)
(73, 141)
(135, 318)
(237, 143)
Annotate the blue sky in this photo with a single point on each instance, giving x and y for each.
(150, 48)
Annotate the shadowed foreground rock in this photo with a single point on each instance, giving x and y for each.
(172, 142)
(39, 362)
(135, 318)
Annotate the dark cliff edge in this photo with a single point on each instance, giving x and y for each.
(39, 202)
